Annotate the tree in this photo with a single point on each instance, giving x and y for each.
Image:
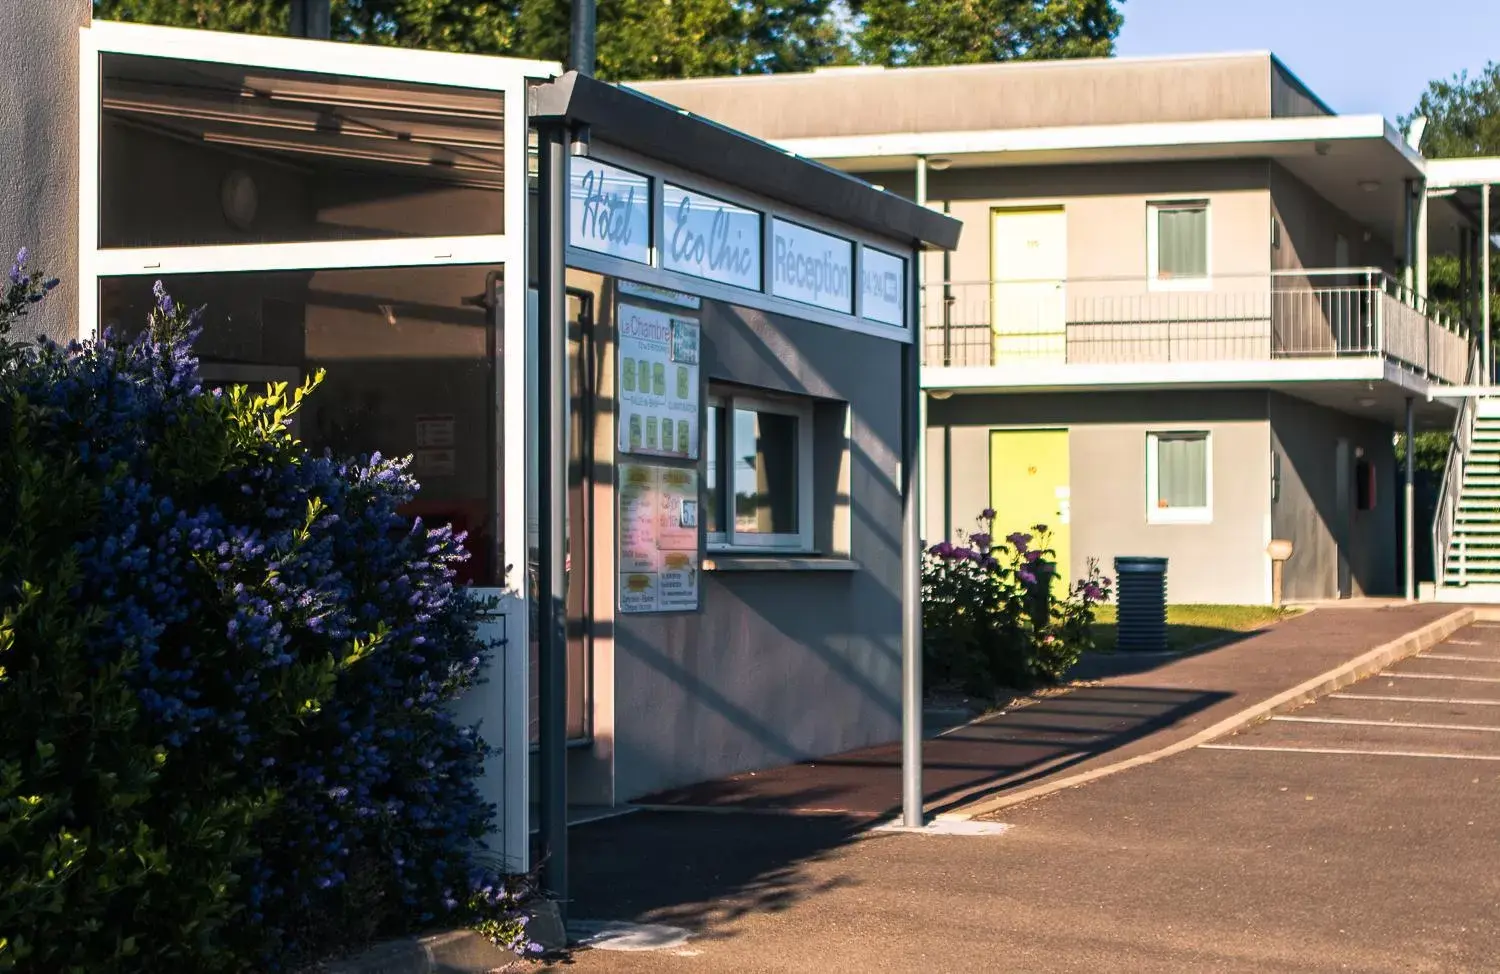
(912, 32)
(643, 39)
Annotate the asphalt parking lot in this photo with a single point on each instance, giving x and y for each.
(1357, 834)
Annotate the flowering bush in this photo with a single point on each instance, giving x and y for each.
(990, 618)
(224, 670)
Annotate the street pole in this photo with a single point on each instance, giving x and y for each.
(581, 37)
(1410, 516)
(552, 499)
(911, 556)
(310, 18)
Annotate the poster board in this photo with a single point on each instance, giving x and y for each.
(658, 561)
(657, 379)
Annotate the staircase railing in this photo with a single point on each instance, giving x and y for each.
(1446, 516)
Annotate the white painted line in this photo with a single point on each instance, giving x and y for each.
(1438, 676)
(1388, 723)
(1395, 699)
(1351, 750)
(1465, 642)
(1458, 659)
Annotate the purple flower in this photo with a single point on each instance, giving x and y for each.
(1026, 576)
(1032, 556)
(988, 514)
(981, 541)
(1018, 541)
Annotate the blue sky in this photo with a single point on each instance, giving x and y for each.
(1360, 56)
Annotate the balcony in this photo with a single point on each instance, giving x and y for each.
(1347, 314)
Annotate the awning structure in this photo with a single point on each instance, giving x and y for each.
(639, 123)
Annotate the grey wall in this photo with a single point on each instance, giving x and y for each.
(1223, 561)
(1310, 226)
(1020, 94)
(1306, 511)
(780, 665)
(39, 148)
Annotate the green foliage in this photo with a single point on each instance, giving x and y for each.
(920, 32)
(643, 39)
(991, 619)
(1463, 115)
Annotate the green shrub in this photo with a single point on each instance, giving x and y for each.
(990, 617)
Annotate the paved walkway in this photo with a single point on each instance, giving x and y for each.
(1141, 704)
(1277, 856)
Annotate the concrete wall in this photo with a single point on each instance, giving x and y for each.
(1309, 512)
(1223, 561)
(39, 146)
(780, 665)
(1023, 94)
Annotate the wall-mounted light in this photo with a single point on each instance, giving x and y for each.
(1365, 401)
(240, 199)
(940, 393)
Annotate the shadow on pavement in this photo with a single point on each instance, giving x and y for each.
(1103, 666)
(1005, 750)
(701, 870)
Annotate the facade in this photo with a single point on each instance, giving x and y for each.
(1187, 316)
(739, 324)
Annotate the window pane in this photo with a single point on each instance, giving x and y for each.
(409, 371)
(714, 497)
(1182, 242)
(765, 472)
(1182, 471)
(197, 153)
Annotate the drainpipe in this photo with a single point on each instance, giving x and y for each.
(310, 18)
(552, 499)
(913, 465)
(1409, 517)
(1421, 248)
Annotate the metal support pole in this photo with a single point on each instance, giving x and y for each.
(912, 454)
(1484, 285)
(921, 342)
(1422, 244)
(310, 18)
(1409, 517)
(1408, 235)
(552, 500)
(581, 35)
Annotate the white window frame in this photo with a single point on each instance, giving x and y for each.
(1154, 280)
(1178, 515)
(731, 540)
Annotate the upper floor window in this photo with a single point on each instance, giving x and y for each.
(1177, 244)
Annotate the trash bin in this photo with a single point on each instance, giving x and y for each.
(1141, 598)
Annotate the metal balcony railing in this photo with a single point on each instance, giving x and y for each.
(1324, 313)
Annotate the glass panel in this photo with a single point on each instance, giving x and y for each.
(197, 153)
(1182, 242)
(765, 472)
(609, 210)
(812, 267)
(709, 238)
(1182, 471)
(409, 370)
(712, 494)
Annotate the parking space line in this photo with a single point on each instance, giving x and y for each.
(1351, 750)
(1438, 676)
(1392, 698)
(1459, 659)
(1387, 723)
(1464, 642)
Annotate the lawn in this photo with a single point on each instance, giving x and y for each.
(1189, 626)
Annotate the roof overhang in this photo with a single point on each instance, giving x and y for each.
(1142, 142)
(1358, 162)
(654, 129)
(1457, 173)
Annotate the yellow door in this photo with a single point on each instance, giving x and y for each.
(1029, 262)
(1029, 486)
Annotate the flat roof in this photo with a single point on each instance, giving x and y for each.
(652, 128)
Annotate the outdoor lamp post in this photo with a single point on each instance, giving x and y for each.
(1279, 551)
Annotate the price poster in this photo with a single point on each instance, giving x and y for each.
(657, 384)
(658, 538)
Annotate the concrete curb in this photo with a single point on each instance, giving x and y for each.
(454, 952)
(1368, 664)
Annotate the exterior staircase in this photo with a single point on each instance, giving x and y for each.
(1466, 530)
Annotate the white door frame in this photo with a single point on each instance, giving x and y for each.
(509, 76)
